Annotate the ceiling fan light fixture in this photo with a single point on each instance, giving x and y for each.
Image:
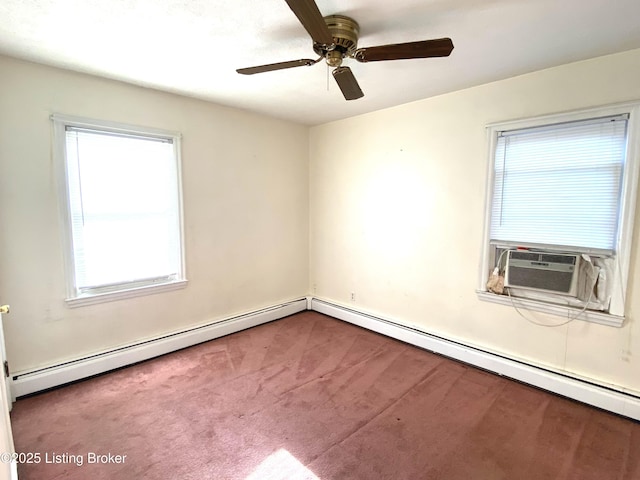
(334, 58)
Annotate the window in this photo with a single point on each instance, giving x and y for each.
(563, 185)
(121, 209)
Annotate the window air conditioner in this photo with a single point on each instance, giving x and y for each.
(550, 272)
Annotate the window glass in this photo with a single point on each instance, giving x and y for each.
(560, 186)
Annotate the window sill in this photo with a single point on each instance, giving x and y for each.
(122, 294)
(562, 311)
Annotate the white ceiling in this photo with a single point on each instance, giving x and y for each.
(193, 47)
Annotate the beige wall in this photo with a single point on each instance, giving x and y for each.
(245, 214)
(397, 208)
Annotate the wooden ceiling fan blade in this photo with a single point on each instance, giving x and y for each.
(304, 62)
(347, 83)
(439, 47)
(311, 19)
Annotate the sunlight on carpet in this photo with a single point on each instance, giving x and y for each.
(281, 465)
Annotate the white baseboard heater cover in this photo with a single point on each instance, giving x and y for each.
(622, 403)
(599, 396)
(25, 383)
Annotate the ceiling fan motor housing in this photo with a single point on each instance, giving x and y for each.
(344, 31)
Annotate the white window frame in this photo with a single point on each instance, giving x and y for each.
(616, 314)
(127, 290)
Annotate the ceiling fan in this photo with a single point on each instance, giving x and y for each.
(336, 37)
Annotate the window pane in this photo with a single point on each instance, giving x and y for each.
(124, 208)
(560, 186)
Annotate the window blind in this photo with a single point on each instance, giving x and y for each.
(124, 206)
(560, 185)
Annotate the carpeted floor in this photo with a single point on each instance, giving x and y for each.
(311, 397)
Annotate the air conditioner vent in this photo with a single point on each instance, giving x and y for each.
(523, 255)
(550, 272)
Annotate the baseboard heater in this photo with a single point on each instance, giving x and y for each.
(28, 382)
(604, 397)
